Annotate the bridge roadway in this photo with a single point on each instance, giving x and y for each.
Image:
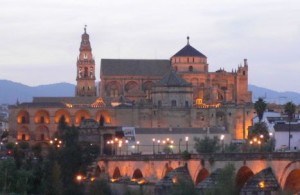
(285, 166)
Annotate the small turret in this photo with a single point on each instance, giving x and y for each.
(245, 62)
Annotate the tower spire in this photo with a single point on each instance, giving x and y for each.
(85, 68)
(188, 40)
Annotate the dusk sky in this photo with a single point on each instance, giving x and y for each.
(40, 39)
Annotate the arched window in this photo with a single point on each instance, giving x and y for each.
(42, 137)
(159, 103)
(186, 104)
(23, 120)
(86, 72)
(42, 119)
(173, 103)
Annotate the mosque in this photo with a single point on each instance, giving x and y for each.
(146, 99)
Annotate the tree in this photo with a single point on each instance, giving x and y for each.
(100, 187)
(101, 122)
(290, 109)
(259, 129)
(260, 107)
(207, 145)
(7, 175)
(225, 182)
(183, 186)
(70, 160)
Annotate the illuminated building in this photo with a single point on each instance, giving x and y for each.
(154, 96)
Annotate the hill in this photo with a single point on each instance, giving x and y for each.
(11, 91)
(272, 96)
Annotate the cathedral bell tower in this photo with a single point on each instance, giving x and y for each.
(85, 68)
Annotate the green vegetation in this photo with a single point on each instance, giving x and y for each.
(225, 183)
(207, 145)
(259, 130)
(290, 109)
(260, 107)
(183, 186)
(100, 187)
(28, 171)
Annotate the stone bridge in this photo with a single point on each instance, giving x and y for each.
(285, 166)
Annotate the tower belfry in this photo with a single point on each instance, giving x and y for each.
(85, 68)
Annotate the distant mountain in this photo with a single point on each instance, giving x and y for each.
(11, 91)
(272, 96)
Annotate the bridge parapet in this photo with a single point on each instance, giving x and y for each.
(206, 156)
(285, 165)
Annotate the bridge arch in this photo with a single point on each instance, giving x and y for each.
(116, 174)
(137, 174)
(242, 176)
(292, 182)
(289, 168)
(202, 174)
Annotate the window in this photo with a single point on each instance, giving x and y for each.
(23, 120)
(159, 103)
(113, 93)
(148, 94)
(191, 68)
(173, 103)
(186, 104)
(42, 119)
(86, 72)
(42, 137)
(23, 137)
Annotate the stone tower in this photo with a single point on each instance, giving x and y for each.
(85, 68)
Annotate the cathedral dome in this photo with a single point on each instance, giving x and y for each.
(188, 50)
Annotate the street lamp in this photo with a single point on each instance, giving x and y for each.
(187, 144)
(158, 143)
(126, 141)
(222, 139)
(116, 146)
(179, 150)
(137, 143)
(120, 146)
(56, 142)
(153, 141)
(271, 141)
